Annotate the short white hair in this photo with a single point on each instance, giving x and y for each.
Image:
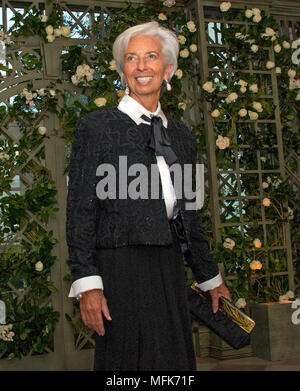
(168, 39)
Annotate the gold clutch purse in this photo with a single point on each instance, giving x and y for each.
(229, 322)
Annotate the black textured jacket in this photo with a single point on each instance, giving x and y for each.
(101, 137)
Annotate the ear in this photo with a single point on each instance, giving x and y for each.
(168, 71)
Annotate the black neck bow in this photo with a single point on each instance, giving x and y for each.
(159, 140)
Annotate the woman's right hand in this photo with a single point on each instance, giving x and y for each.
(92, 305)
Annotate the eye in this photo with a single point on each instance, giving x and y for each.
(152, 56)
(130, 58)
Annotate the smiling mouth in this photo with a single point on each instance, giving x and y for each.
(144, 80)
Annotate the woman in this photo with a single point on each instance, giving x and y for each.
(124, 252)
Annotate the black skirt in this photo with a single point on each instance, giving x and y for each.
(146, 296)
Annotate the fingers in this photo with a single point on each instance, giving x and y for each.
(92, 304)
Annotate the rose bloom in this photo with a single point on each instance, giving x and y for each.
(50, 38)
(257, 18)
(179, 73)
(257, 243)
(100, 102)
(181, 39)
(208, 86)
(52, 92)
(184, 53)
(266, 202)
(193, 48)
(162, 16)
(277, 48)
(278, 70)
(49, 29)
(253, 115)
(256, 11)
(42, 130)
(65, 31)
(243, 89)
(242, 82)
(257, 106)
(286, 45)
(254, 48)
(44, 18)
(57, 32)
(216, 113)
(112, 65)
(222, 142)
(243, 113)
(224, 7)
(291, 73)
(265, 185)
(229, 243)
(39, 266)
(191, 26)
(182, 105)
(253, 88)
(241, 303)
(255, 265)
(4, 156)
(248, 13)
(231, 97)
(270, 65)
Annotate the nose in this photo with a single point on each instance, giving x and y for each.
(141, 64)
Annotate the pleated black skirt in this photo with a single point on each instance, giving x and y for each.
(146, 296)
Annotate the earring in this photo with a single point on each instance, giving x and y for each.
(169, 87)
(127, 91)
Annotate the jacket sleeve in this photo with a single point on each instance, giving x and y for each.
(203, 266)
(82, 205)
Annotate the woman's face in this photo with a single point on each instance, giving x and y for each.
(145, 70)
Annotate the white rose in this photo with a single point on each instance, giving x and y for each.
(44, 18)
(263, 159)
(42, 130)
(278, 70)
(242, 113)
(4, 156)
(179, 73)
(242, 82)
(39, 266)
(184, 53)
(224, 7)
(277, 48)
(270, 32)
(222, 142)
(42, 91)
(162, 16)
(291, 73)
(191, 26)
(49, 29)
(256, 11)
(57, 32)
(257, 18)
(239, 35)
(241, 303)
(216, 113)
(248, 13)
(193, 48)
(253, 88)
(243, 89)
(270, 65)
(293, 84)
(286, 45)
(298, 96)
(231, 97)
(100, 102)
(75, 80)
(181, 39)
(50, 38)
(257, 106)
(182, 105)
(113, 65)
(52, 92)
(284, 299)
(208, 86)
(253, 115)
(265, 185)
(254, 48)
(65, 31)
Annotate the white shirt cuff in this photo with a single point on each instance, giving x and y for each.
(211, 284)
(85, 284)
